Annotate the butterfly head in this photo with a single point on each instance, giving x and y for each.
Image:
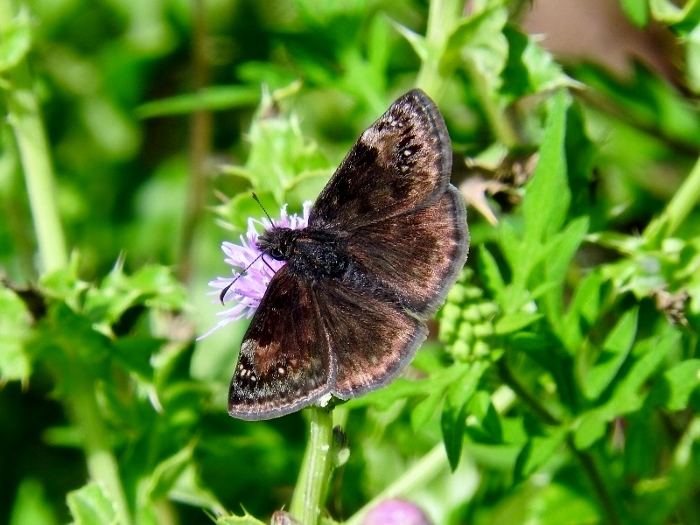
(278, 243)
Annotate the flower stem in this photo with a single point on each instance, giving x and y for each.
(678, 209)
(442, 17)
(310, 491)
(25, 118)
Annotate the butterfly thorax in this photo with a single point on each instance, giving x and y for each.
(314, 255)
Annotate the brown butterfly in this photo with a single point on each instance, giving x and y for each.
(385, 241)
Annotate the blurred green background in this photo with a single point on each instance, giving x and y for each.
(162, 116)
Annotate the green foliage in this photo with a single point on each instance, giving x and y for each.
(564, 382)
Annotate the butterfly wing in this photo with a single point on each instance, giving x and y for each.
(399, 163)
(284, 363)
(371, 340)
(417, 256)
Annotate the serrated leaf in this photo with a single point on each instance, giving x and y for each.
(246, 519)
(90, 505)
(548, 196)
(613, 353)
(479, 43)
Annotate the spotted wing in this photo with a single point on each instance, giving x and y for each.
(284, 363)
(398, 164)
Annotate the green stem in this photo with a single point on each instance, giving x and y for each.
(417, 476)
(101, 463)
(25, 118)
(678, 209)
(604, 497)
(200, 144)
(530, 400)
(310, 492)
(442, 18)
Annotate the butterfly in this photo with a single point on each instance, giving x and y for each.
(385, 241)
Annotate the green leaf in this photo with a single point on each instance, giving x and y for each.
(559, 252)
(166, 473)
(425, 409)
(613, 353)
(31, 505)
(583, 310)
(630, 393)
(90, 505)
(637, 11)
(491, 275)
(537, 451)
(404, 388)
(478, 43)
(212, 98)
(484, 424)
(511, 323)
(280, 155)
(15, 40)
(15, 326)
(677, 385)
(454, 412)
(246, 519)
(547, 199)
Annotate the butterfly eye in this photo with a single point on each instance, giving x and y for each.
(276, 254)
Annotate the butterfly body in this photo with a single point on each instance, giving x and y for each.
(385, 241)
(313, 255)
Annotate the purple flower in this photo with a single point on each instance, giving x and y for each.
(396, 512)
(250, 286)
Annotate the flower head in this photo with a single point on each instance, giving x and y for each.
(396, 512)
(251, 274)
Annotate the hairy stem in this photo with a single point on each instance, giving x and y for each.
(24, 116)
(310, 492)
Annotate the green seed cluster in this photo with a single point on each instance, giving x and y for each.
(466, 320)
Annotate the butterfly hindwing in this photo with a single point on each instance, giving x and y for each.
(417, 255)
(284, 362)
(400, 162)
(371, 340)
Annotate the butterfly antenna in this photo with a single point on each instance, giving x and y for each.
(229, 285)
(261, 206)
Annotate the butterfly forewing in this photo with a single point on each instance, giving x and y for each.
(403, 160)
(284, 362)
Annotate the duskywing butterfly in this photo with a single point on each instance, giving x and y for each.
(385, 241)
